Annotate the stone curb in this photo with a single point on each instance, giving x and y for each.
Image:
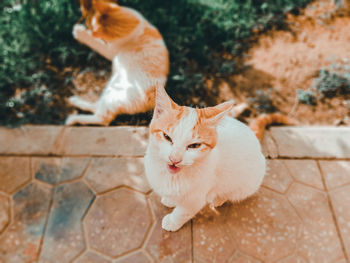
(312, 142)
(126, 141)
(129, 141)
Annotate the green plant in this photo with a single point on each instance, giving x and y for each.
(38, 53)
(307, 97)
(262, 102)
(36, 58)
(329, 84)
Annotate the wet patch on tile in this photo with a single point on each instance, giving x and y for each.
(58, 170)
(21, 240)
(64, 237)
(104, 174)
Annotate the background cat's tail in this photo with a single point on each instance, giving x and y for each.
(259, 124)
(238, 109)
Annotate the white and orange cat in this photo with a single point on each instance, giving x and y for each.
(200, 156)
(139, 56)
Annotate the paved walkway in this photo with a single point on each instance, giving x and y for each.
(79, 195)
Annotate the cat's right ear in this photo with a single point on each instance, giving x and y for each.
(163, 102)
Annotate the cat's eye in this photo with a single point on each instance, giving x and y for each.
(166, 136)
(194, 146)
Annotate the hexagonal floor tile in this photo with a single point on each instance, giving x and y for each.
(64, 238)
(58, 170)
(341, 204)
(264, 226)
(104, 174)
(239, 257)
(14, 173)
(306, 172)
(277, 176)
(211, 243)
(4, 212)
(318, 239)
(21, 240)
(336, 173)
(91, 257)
(118, 222)
(166, 246)
(138, 257)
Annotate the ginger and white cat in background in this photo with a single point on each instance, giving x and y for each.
(202, 156)
(140, 61)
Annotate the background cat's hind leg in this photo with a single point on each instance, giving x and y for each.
(78, 102)
(86, 119)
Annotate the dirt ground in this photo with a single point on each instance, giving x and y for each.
(280, 63)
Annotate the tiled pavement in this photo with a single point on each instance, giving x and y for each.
(80, 195)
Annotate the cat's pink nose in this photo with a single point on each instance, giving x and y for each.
(175, 161)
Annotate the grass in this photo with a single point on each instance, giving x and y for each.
(38, 54)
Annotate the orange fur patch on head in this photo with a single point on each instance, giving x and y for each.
(204, 131)
(167, 114)
(88, 10)
(208, 118)
(113, 21)
(168, 120)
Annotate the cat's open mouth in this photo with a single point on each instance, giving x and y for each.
(173, 168)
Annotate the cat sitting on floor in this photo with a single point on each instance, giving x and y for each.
(200, 156)
(139, 55)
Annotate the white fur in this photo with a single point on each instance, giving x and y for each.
(126, 91)
(233, 170)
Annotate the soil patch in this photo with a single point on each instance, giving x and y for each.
(282, 62)
(275, 68)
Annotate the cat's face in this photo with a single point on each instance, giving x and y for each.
(184, 136)
(107, 20)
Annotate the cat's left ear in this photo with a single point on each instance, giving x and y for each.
(163, 102)
(215, 114)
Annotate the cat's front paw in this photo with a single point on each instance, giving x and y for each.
(80, 32)
(74, 100)
(168, 223)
